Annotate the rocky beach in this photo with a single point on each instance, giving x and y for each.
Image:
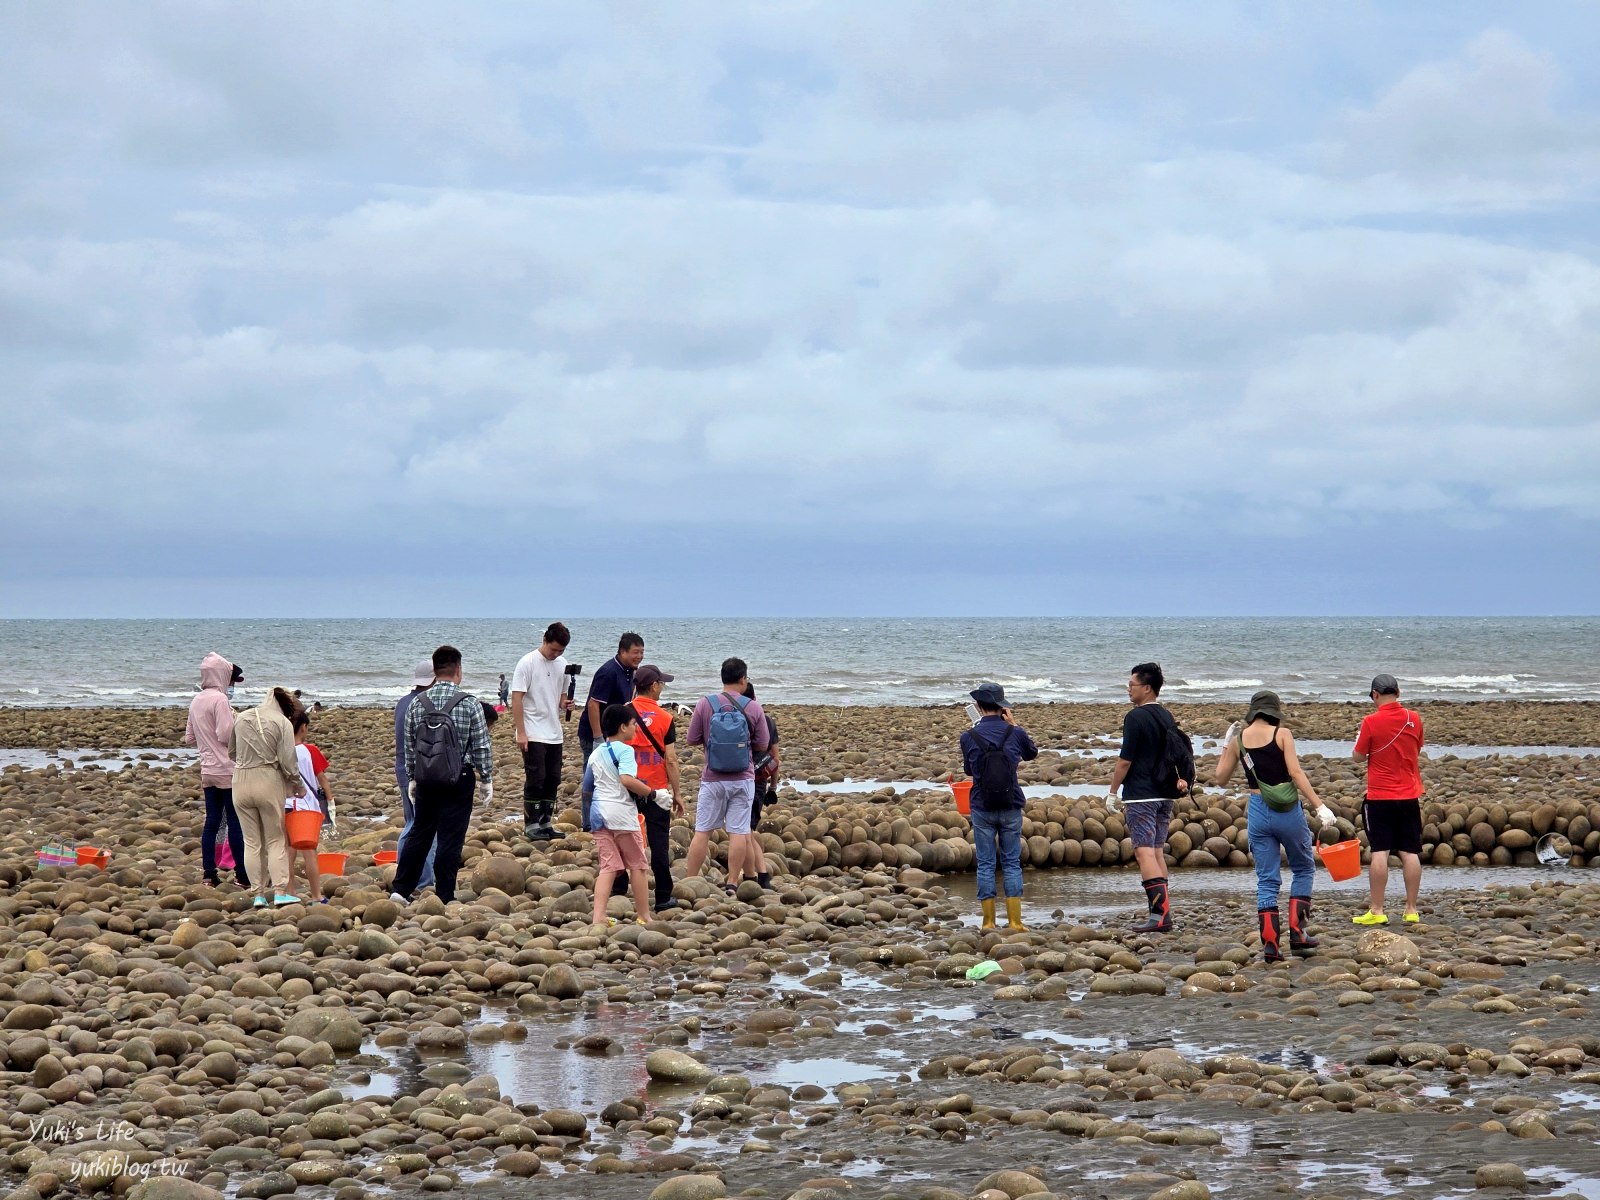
(821, 1039)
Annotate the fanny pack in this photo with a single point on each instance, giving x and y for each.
(1280, 797)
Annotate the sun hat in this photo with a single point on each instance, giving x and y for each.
(422, 673)
(1264, 703)
(990, 695)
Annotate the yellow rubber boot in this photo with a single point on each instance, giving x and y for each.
(988, 913)
(1014, 915)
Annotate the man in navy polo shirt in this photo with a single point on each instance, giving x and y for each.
(612, 684)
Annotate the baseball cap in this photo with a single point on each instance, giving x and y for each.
(1385, 685)
(422, 673)
(648, 675)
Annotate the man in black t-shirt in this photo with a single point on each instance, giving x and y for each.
(1141, 767)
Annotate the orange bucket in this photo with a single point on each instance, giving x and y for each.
(93, 856)
(963, 793)
(331, 864)
(1343, 860)
(304, 829)
(384, 857)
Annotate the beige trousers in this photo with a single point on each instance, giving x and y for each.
(258, 799)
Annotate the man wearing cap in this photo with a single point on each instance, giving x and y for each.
(1390, 743)
(421, 679)
(655, 754)
(990, 752)
(537, 702)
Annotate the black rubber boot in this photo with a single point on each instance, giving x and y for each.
(1300, 941)
(1160, 918)
(1271, 929)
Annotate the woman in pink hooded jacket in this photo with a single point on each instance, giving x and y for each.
(210, 726)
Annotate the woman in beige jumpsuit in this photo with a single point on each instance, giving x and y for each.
(265, 775)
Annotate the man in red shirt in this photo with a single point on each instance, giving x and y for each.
(1390, 743)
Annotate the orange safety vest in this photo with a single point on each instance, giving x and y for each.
(652, 768)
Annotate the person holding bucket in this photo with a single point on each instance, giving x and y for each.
(266, 774)
(313, 775)
(990, 752)
(1277, 785)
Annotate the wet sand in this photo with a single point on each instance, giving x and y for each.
(357, 1049)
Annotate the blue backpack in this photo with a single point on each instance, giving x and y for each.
(728, 738)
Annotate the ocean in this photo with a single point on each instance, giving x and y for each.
(838, 661)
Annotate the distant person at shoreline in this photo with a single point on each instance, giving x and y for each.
(1390, 743)
(267, 774)
(990, 752)
(655, 753)
(209, 728)
(421, 678)
(447, 751)
(1275, 819)
(1149, 789)
(733, 730)
(612, 684)
(768, 765)
(537, 703)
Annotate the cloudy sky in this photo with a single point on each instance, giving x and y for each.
(793, 307)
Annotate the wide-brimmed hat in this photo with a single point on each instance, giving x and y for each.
(1264, 704)
(990, 695)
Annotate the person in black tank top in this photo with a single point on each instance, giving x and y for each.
(1265, 747)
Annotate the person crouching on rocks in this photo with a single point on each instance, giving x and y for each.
(990, 752)
(1277, 784)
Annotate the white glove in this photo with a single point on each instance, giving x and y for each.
(1325, 816)
(662, 797)
(1112, 803)
(488, 792)
(411, 791)
(1233, 732)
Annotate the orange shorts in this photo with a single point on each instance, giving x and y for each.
(620, 849)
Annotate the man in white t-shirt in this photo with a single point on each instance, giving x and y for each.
(537, 702)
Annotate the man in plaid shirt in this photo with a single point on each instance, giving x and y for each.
(444, 809)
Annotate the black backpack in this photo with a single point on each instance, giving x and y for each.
(438, 747)
(1176, 759)
(996, 776)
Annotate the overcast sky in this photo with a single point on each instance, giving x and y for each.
(790, 307)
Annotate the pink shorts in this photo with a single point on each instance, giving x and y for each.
(620, 849)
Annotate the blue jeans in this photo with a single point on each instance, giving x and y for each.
(410, 814)
(998, 832)
(1268, 831)
(219, 808)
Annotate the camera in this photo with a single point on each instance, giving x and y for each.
(574, 669)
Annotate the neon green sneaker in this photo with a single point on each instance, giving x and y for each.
(1413, 918)
(1370, 918)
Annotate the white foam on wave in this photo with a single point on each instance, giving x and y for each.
(1467, 681)
(1215, 685)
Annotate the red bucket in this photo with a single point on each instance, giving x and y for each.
(304, 829)
(1342, 860)
(963, 794)
(93, 856)
(331, 864)
(384, 857)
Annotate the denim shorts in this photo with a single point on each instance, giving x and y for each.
(1147, 822)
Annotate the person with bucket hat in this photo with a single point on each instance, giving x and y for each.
(1266, 747)
(1390, 743)
(990, 752)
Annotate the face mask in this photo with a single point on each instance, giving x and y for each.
(230, 691)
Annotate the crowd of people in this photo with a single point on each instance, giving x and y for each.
(258, 766)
